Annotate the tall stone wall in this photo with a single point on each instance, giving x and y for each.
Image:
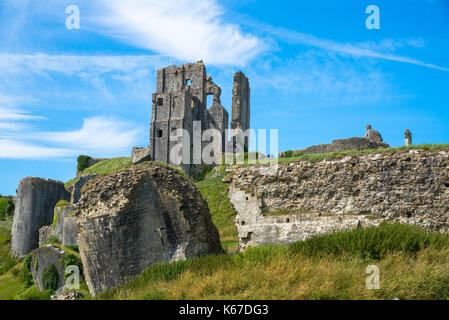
(333, 194)
(36, 199)
(134, 218)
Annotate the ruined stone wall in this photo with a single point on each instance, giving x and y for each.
(134, 218)
(75, 189)
(36, 199)
(338, 145)
(333, 194)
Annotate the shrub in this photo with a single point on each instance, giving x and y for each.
(72, 259)
(33, 294)
(288, 154)
(6, 208)
(83, 162)
(25, 274)
(27, 261)
(50, 278)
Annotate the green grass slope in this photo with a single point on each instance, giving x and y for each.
(413, 264)
(215, 192)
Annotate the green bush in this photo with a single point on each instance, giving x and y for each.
(33, 294)
(83, 162)
(25, 272)
(372, 242)
(25, 276)
(27, 261)
(288, 154)
(6, 208)
(72, 259)
(50, 278)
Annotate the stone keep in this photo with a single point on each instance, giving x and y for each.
(36, 200)
(181, 98)
(131, 219)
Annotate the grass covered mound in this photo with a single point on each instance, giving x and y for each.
(300, 155)
(413, 264)
(104, 167)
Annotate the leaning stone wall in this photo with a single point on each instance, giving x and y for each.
(333, 194)
(36, 199)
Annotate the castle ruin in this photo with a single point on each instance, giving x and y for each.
(180, 102)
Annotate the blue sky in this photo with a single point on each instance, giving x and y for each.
(316, 72)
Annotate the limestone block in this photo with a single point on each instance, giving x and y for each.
(131, 219)
(44, 257)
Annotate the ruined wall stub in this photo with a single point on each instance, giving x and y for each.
(408, 137)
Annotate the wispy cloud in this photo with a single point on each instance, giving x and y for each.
(355, 50)
(77, 64)
(100, 134)
(16, 149)
(186, 30)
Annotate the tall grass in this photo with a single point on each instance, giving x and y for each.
(373, 242)
(413, 264)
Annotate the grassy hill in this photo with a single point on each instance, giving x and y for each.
(413, 262)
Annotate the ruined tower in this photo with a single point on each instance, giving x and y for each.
(240, 107)
(179, 100)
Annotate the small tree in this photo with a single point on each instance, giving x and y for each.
(83, 162)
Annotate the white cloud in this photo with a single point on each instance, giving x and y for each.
(77, 64)
(15, 149)
(11, 114)
(356, 50)
(98, 134)
(186, 30)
